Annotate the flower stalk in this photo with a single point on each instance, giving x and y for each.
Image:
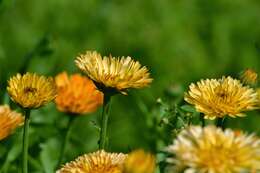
(220, 123)
(65, 139)
(104, 121)
(26, 140)
(202, 120)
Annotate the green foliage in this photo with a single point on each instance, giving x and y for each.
(181, 41)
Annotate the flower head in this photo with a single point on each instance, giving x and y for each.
(217, 98)
(9, 120)
(139, 162)
(98, 162)
(249, 76)
(210, 149)
(258, 92)
(77, 94)
(31, 90)
(116, 74)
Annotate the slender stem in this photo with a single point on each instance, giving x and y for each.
(26, 140)
(105, 116)
(220, 122)
(65, 139)
(202, 120)
(5, 166)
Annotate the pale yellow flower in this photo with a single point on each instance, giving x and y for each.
(111, 73)
(31, 90)
(249, 76)
(139, 162)
(258, 92)
(212, 150)
(98, 162)
(9, 121)
(77, 94)
(220, 97)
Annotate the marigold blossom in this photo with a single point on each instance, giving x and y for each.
(219, 97)
(212, 150)
(77, 94)
(31, 90)
(113, 74)
(139, 162)
(249, 76)
(9, 121)
(97, 162)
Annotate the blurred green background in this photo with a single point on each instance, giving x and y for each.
(180, 41)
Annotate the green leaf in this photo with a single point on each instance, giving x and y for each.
(188, 108)
(14, 152)
(49, 155)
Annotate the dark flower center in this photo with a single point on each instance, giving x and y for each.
(29, 90)
(222, 95)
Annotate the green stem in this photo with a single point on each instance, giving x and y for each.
(202, 120)
(34, 163)
(65, 139)
(26, 140)
(105, 116)
(5, 166)
(220, 122)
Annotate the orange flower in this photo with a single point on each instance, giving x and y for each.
(9, 121)
(77, 94)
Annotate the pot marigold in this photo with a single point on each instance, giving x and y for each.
(9, 120)
(212, 150)
(77, 94)
(217, 98)
(258, 92)
(249, 76)
(139, 162)
(31, 90)
(116, 74)
(97, 162)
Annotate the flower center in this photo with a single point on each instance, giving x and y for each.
(217, 158)
(221, 93)
(29, 90)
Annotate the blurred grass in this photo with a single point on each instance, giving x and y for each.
(181, 41)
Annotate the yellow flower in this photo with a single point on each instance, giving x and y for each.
(116, 74)
(139, 162)
(217, 98)
(9, 120)
(258, 92)
(77, 94)
(30, 90)
(212, 150)
(249, 76)
(98, 162)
